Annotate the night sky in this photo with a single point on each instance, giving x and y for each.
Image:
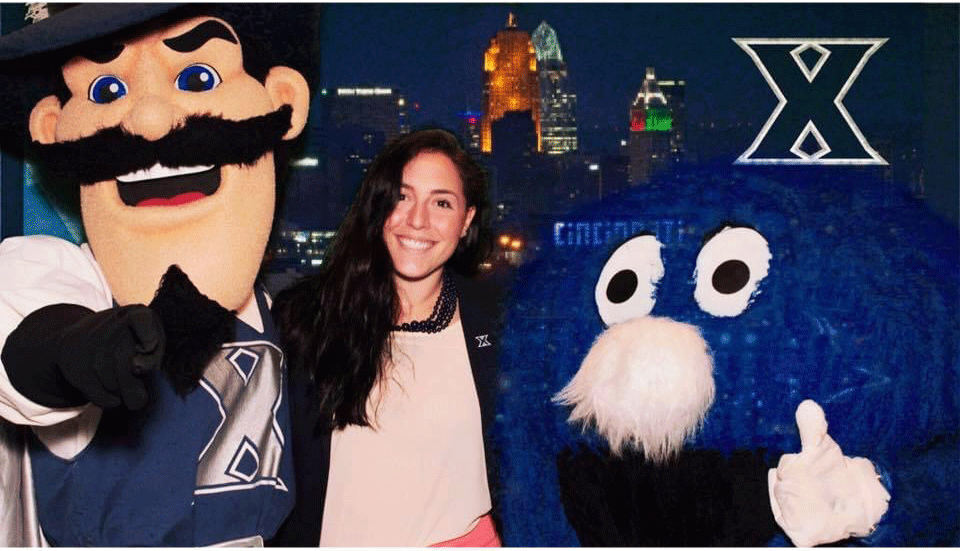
(433, 53)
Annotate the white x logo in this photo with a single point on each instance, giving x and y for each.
(482, 340)
(816, 94)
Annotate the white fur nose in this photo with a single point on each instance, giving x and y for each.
(646, 383)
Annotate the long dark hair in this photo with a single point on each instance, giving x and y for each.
(336, 324)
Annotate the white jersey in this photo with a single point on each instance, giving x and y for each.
(38, 271)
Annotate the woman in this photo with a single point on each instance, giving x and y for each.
(392, 361)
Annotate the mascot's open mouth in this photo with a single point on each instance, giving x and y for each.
(163, 186)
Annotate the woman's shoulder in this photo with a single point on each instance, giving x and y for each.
(484, 287)
(481, 298)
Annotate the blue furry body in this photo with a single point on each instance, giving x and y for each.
(859, 312)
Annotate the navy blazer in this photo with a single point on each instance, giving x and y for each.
(480, 315)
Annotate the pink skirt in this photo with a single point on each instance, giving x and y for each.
(483, 535)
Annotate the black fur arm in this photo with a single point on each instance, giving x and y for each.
(700, 498)
(594, 512)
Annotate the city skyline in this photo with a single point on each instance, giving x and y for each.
(689, 42)
(435, 57)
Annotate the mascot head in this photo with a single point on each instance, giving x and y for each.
(163, 122)
(702, 309)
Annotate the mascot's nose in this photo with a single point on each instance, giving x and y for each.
(646, 383)
(152, 117)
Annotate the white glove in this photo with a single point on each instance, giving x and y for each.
(819, 495)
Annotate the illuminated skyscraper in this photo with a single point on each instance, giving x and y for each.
(558, 126)
(651, 124)
(510, 65)
(675, 91)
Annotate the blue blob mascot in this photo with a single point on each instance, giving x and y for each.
(736, 357)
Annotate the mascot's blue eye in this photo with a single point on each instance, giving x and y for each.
(107, 88)
(198, 78)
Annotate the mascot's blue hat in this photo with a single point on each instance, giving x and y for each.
(62, 25)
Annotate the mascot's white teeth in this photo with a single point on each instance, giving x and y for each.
(160, 171)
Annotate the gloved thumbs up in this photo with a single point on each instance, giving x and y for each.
(819, 495)
(812, 425)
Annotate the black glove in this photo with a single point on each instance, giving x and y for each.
(66, 355)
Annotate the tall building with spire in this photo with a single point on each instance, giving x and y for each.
(651, 126)
(558, 102)
(510, 65)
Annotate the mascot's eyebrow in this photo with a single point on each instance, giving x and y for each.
(198, 36)
(103, 52)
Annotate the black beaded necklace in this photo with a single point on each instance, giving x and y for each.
(443, 311)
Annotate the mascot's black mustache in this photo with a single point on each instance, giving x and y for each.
(199, 140)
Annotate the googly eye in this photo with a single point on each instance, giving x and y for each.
(198, 77)
(627, 283)
(106, 88)
(729, 269)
